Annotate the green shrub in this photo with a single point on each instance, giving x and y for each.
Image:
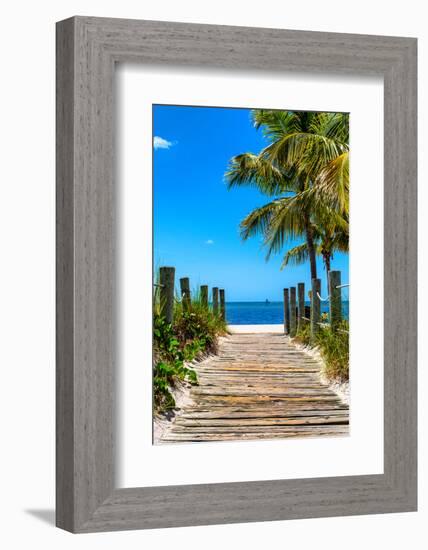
(168, 364)
(333, 346)
(303, 335)
(194, 331)
(334, 349)
(200, 325)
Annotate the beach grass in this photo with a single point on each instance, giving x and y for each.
(334, 349)
(192, 334)
(333, 346)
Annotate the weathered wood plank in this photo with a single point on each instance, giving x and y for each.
(334, 282)
(185, 292)
(267, 413)
(215, 300)
(204, 296)
(166, 282)
(268, 421)
(259, 387)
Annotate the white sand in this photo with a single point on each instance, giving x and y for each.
(181, 391)
(162, 423)
(253, 329)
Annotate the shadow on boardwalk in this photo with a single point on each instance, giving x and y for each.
(259, 386)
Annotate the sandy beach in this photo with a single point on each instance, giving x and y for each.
(255, 329)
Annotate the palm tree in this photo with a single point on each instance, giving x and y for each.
(299, 161)
(326, 244)
(332, 184)
(285, 217)
(309, 141)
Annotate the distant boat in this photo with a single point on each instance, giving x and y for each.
(267, 301)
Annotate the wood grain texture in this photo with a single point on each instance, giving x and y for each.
(258, 386)
(87, 49)
(293, 313)
(335, 302)
(215, 300)
(65, 277)
(301, 305)
(167, 292)
(315, 307)
(204, 296)
(286, 311)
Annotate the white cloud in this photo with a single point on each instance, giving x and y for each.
(161, 143)
(209, 241)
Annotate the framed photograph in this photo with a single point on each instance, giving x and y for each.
(236, 274)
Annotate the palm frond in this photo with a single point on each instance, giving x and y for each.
(252, 170)
(307, 152)
(257, 221)
(308, 158)
(341, 241)
(287, 222)
(331, 125)
(274, 123)
(333, 182)
(297, 255)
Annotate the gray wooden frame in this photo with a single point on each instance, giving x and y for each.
(87, 50)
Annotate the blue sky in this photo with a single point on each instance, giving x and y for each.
(196, 219)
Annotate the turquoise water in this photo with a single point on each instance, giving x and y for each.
(261, 313)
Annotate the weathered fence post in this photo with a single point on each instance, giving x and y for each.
(185, 292)
(286, 312)
(293, 311)
(301, 311)
(204, 296)
(222, 304)
(166, 281)
(215, 300)
(315, 307)
(334, 279)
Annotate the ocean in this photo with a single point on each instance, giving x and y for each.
(261, 313)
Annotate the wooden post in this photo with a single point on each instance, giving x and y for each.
(293, 311)
(204, 296)
(301, 310)
(334, 280)
(315, 307)
(215, 300)
(222, 304)
(286, 312)
(185, 292)
(166, 281)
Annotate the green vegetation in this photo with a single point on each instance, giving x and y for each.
(304, 170)
(333, 347)
(193, 333)
(303, 335)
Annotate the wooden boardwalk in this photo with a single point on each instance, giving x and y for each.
(259, 386)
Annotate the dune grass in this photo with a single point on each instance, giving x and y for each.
(333, 347)
(193, 333)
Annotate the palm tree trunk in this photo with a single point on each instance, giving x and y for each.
(327, 263)
(311, 248)
(327, 260)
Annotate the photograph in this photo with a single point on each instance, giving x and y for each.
(210, 308)
(250, 274)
